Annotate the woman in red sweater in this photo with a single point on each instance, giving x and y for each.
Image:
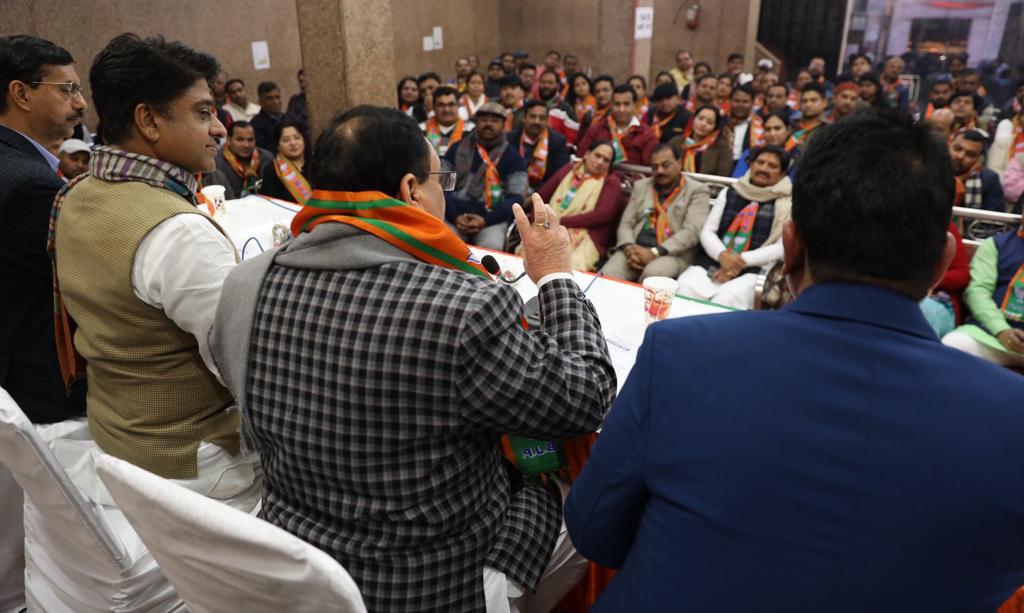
(943, 307)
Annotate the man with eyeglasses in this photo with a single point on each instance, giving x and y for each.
(40, 103)
(406, 364)
(445, 127)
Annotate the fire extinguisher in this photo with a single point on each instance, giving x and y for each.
(693, 16)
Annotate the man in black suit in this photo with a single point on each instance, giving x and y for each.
(41, 101)
(543, 162)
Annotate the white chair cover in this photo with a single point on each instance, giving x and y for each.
(79, 556)
(221, 559)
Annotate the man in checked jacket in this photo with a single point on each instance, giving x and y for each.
(377, 366)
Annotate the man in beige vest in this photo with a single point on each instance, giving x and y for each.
(660, 228)
(140, 271)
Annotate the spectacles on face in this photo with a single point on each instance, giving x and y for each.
(70, 88)
(446, 178)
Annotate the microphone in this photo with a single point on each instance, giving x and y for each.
(491, 265)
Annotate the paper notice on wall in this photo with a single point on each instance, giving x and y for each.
(644, 23)
(260, 55)
(438, 38)
(428, 43)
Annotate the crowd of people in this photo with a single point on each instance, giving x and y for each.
(361, 376)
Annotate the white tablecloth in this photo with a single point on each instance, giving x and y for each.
(250, 223)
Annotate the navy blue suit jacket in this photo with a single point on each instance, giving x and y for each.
(830, 456)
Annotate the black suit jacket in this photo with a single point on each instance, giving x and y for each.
(29, 370)
(558, 151)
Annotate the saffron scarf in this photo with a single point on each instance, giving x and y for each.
(584, 106)
(538, 164)
(404, 226)
(493, 191)
(510, 119)
(291, 177)
(737, 236)
(805, 131)
(657, 214)
(578, 192)
(433, 130)
(659, 124)
(643, 106)
(970, 124)
(471, 106)
(692, 149)
(617, 146)
(929, 111)
(250, 175)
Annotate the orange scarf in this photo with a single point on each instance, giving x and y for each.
(510, 119)
(493, 190)
(692, 150)
(617, 146)
(805, 131)
(292, 179)
(970, 124)
(433, 132)
(657, 215)
(407, 227)
(538, 160)
(250, 175)
(584, 106)
(659, 124)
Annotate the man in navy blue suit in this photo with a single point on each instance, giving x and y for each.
(830, 456)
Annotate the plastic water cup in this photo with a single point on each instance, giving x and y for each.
(658, 295)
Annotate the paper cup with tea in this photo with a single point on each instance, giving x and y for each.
(658, 295)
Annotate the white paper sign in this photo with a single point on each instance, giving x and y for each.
(644, 23)
(438, 37)
(260, 55)
(428, 43)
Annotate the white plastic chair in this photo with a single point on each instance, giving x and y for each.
(221, 559)
(80, 557)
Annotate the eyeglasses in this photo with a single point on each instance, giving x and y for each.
(71, 89)
(446, 178)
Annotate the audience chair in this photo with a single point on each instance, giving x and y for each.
(80, 557)
(221, 559)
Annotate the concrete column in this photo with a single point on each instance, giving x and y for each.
(642, 49)
(348, 50)
(615, 38)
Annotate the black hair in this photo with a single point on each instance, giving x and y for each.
(25, 58)
(369, 148)
(872, 77)
(710, 107)
(724, 75)
(814, 86)
(968, 71)
(288, 123)
(235, 125)
(266, 87)
(508, 53)
(624, 89)
(859, 56)
(604, 77)
(594, 144)
(527, 66)
(702, 63)
(734, 56)
(746, 88)
(875, 214)
(555, 52)
(975, 136)
(445, 90)
(666, 73)
(401, 83)
(637, 76)
(676, 151)
(571, 97)
(231, 81)
(966, 93)
(548, 72)
(426, 76)
(941, 81)
(775, 150)
(473, 73)
(783, 117)
(529, 104)
(708, 76)
(779, 84)
(512, 80)
(131, 71)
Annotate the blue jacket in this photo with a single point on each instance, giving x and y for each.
(830, 456)
(511, 169)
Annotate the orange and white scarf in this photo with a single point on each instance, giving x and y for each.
(250, 174)
(538, 163)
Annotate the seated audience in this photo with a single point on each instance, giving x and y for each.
(943, 307)
(987, 112)
(803, 78)
(896, 93)
(639, 85)
(241, 160)
(743, 233)
(660, 228)
(473, 98)
(513, 96)
(491, 178)
(724, 92)
(1009, 138)
(528, 75)
(734, 64)
(31, 118)
(812, 109)
(980, 185)
(777, 134)
(587, 197)
(238, 105)
(445, 127)
(603, 87)
(860, 64)
(632, 141)
(270, 115)
(495, 77)
(995, 298)
(427, 83)
(871, 93)
(544, 150)
(548, 92)
(580, 97)
(706, 93)
(462, 70)
(938, 96)
(941, 124)
(746, 128)
(964, 105)
(665, 78)
(283, 176)
(844, 100)
(408, 95)
(776, 100)
(706, 147)
(683, 71)
(553, 64)
(298, 108)
(73, 157)
(885, 466)
(220, 95)
(144, 296)
(415, 500)
(668, 117)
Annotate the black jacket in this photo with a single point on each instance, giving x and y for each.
(558, 151)
(29, 370)
(263, 125)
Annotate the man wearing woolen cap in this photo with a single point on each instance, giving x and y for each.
(668, 117)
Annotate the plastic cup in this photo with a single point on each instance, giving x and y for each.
(658, 295)
(215, 194)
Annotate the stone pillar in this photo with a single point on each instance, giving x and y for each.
(641, 62)
(615, 38)
(348, 51)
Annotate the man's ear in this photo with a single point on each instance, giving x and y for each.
(793, 246)
(948, 253)
(19, 95)
(147, 123)
(408, 190)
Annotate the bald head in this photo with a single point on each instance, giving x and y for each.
(941, 123)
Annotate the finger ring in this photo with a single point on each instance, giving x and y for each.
(545, 224)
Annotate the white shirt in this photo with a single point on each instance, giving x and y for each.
(739, 133)
(239, 114)
(765, 254)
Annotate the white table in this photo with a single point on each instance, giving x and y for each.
(250, 223)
